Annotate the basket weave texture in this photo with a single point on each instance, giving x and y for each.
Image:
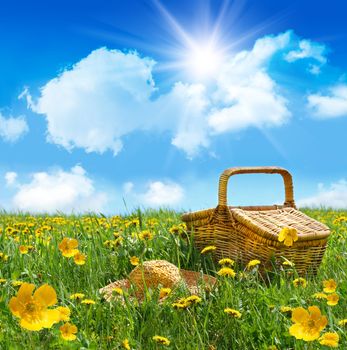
(247, 233)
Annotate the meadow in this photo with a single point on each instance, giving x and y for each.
(241, 312)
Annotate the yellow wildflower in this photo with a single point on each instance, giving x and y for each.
(145, 235)
(319, 295)
(253, 263)
(329, 339)
(64, 313)
(233, 312)
(161, 340)
(332, 299)
(208, 249)
(68, 331)
(125, 344)
(286, 309)
(33, 309)
(17, 283)
(88, 301)
(307, 324)
(288, 263)
(79, 258)
(77, 296)
(226, 261)
(68, 247)
(226, 271)
(343, 322)
(164, 292)
(118, 291)
(288, 235)
(300, 282)
(24, 249)
(134, 260)
(329, 286)
(193, 299)
(2, 280)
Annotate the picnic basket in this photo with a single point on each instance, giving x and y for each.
(251, 232)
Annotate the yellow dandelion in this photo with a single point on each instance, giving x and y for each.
(193, 299)
(118, 291)
(17, 283)
(68, 247)
(288, 263)
(77, 296)
(161, 340)
(64, 313)
(286, 309)
(329, 286)
(226, 261)
(208, 249)
(233, 312)
(343, 322)
(2, 280)
(145, 235)
(330, 339)
(164, 292)
(125, 344)
(332, 299)
(253, 263)
(134, 260)
(226, 271)
(300, 282)
(23, 249)
(319, 295)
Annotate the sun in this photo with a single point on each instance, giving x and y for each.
(202, 60)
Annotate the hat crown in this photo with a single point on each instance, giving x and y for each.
(154, 273)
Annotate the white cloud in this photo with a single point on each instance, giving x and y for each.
(334, 197)
(247, 92)
(59, 190)
(10, 178)
(157, 193)
(110, 94)
(329, 106)
(307, 49)
(11, 128)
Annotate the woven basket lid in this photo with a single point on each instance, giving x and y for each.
(154, 273)
(269, 223)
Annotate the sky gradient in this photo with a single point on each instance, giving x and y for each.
(112, 105)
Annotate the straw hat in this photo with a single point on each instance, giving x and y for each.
(154, 273)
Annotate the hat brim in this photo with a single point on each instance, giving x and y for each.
(194, 281)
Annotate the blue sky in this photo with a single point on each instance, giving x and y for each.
(145, 103)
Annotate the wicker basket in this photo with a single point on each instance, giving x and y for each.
(247, 233)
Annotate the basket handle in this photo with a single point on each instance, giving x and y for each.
(287, 179)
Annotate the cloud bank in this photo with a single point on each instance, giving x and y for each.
(58, 190)
(110, 94)
(333, 197)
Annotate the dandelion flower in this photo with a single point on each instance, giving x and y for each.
(77, 296)
(253, 263)
(226, 261)
(68, 247)
(232, 312)
(17, 283)
(88, 301)
(125, 344)
(161, 340)
(288, 263)
(164, 292)
(319, 295)
(2, 280)
(288, 236)
(68, 331)
(145, 235)
(33, 309)
(226, 271)
(79, 258)
(343, 322)
(64, 313)
(134, 260)
(329, 339)
(300, 282)
(286, 309)
(208, 249)
(193, 299)
(23, 249)
(118, 291)
(332, 299)
(329, 286)
(307, 324)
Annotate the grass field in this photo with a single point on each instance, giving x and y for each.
(29, 252)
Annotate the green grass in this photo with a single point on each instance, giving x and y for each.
(202, 326)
